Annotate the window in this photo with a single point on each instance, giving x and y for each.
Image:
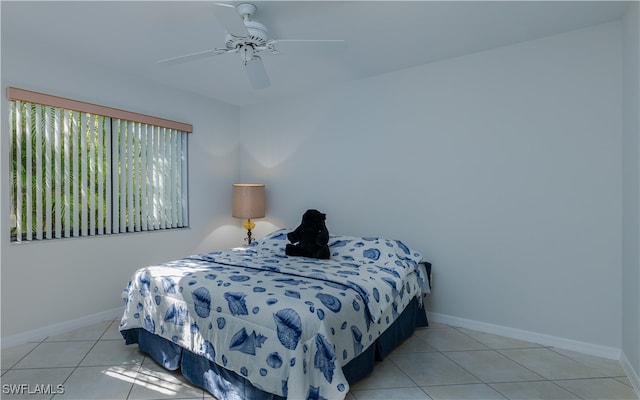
(78, 169)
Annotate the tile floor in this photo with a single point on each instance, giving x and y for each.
(439, 362)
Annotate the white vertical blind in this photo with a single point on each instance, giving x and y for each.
(108, 176)
(28, 172)
(144, 176)
(153, 178)
(162, 181)
(101, 172)
(81, 174)
(174, 179)
(67, 173)
(39, 180)
(130, 176)
(47, 179)
(57, 173)
(184, 181)
(84, 189)
(115, 180)
(137, 179)
(91, 193)
(18, 178)
(170, 187)
(75, 126)
(122, 176)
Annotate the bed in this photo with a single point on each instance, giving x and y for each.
(253, 323)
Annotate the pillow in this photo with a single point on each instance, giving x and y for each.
(276, 241)
(372, 250)
(361, 250)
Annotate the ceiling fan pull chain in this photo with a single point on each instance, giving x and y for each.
(246, 52)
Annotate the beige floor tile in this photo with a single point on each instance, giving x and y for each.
(154, 382)
(412, 393)
(625, 380)
(93, 332)
(12, 355)
(606, 366)
(112, 352)
(56, 354)
(599, 389)
(414, 345)
(449, 340)
(436, 325)
(427, 369)
(477, 391)
(491, 366)
(533, 390)
(350, 396)
(550, 364)
(100, 383)
(385, 375)
(113, 332)
(439, 362)
(34, 383)
(497, 342)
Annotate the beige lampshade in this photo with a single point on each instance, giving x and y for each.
(248, 200)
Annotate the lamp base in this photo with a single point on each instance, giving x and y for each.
(249, 225)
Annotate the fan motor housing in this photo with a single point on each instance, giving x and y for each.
(257, 36)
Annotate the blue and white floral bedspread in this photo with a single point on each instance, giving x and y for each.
(287, 324)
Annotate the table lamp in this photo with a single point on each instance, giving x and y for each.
(248, 203)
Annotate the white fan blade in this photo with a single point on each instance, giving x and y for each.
(191, 56)
(228, 16)
(306, 47)
(257, 74)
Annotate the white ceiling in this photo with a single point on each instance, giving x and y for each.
(381, 36)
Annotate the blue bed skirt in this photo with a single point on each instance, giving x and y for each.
(227, 385)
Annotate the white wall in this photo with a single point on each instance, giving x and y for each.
(502, 167)
(631, 190)
(49, 283)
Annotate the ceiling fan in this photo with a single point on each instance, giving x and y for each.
(248, 38)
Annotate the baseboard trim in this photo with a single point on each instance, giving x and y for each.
(39, 334)
(542, 339)
(631, 373)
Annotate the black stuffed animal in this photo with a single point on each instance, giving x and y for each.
(311, 238)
